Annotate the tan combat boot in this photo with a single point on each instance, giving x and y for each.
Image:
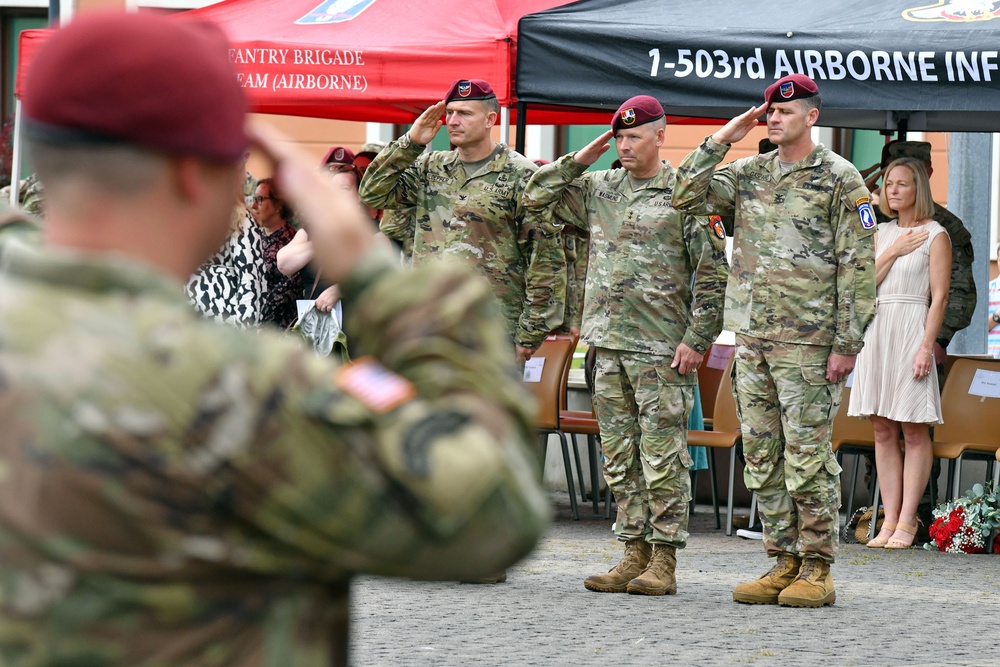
(812, 588)
(632, 564)
(765, 590)
(658, 577)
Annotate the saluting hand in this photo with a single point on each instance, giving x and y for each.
(590, 153)
(740, 126)
(426, 126)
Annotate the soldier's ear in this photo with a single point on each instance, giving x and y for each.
(491, 118)
(661, 134)
(812, 116)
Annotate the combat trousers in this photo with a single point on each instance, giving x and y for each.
(786, 408)
(642, 407)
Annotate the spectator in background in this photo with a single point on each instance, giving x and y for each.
(272, 213)
(894, 384)
(230, 286)
(993, 319)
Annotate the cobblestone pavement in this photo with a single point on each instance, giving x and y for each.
(910, 607)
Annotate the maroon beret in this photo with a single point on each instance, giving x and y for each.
(469, 89)
(636, 111)
(791, 87)
(140, 79)
(339, 155)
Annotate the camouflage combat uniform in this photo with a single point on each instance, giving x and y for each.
(801, 286)
(639, 306)
(576, 243)
(208, 493)
(480, 219)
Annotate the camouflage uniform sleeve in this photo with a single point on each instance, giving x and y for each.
(399, 225)
(558, 187)
(855, 247)
(392, 180)
(702, 189)
(541, 243)
(962, 294)
(449, 484)
(710, 271)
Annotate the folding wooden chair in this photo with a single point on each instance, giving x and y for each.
(971, 421)
(855, 436)
(710, 377)
(556, 351)
(726, 435)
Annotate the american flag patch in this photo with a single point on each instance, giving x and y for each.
(374, 385)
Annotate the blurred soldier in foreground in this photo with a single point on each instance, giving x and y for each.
(801, 293)
(175, 492)
(467, 204)
(654, 300)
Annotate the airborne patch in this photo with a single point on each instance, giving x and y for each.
(715, 222)
(864, 207)
(374, 385)
(628, 116)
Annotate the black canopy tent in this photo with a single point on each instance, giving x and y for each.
(888, 65)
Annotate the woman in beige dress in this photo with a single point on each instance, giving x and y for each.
(895, 382)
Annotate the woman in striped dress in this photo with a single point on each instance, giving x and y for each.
(895, 382)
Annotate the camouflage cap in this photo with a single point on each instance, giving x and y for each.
(921, 150)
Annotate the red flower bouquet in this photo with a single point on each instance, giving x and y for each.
(965, 524)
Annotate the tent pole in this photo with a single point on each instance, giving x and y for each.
(15, 163)
(505, 125)
(902, 127)
(522, 125)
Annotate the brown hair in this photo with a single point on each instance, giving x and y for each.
(923, 206)
(285, 211)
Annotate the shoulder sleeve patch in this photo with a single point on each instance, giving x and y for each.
(374, 385)
(715, 222)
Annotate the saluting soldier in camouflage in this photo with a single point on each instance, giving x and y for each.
(801, 293)
(654, 301)
(175, 492)
(467, 204)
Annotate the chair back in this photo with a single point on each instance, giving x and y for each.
(850, 430)
(709, 378)
(557, 353)
(724, 415)
(969, 418)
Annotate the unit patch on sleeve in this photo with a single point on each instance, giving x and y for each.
(864, 207)
(374, 385)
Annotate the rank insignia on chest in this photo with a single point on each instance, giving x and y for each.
(374, 385)
(715, 222)
(864, 207)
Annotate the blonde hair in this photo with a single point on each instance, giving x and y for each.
(923, 205)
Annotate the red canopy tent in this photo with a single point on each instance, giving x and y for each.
(362, 60)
